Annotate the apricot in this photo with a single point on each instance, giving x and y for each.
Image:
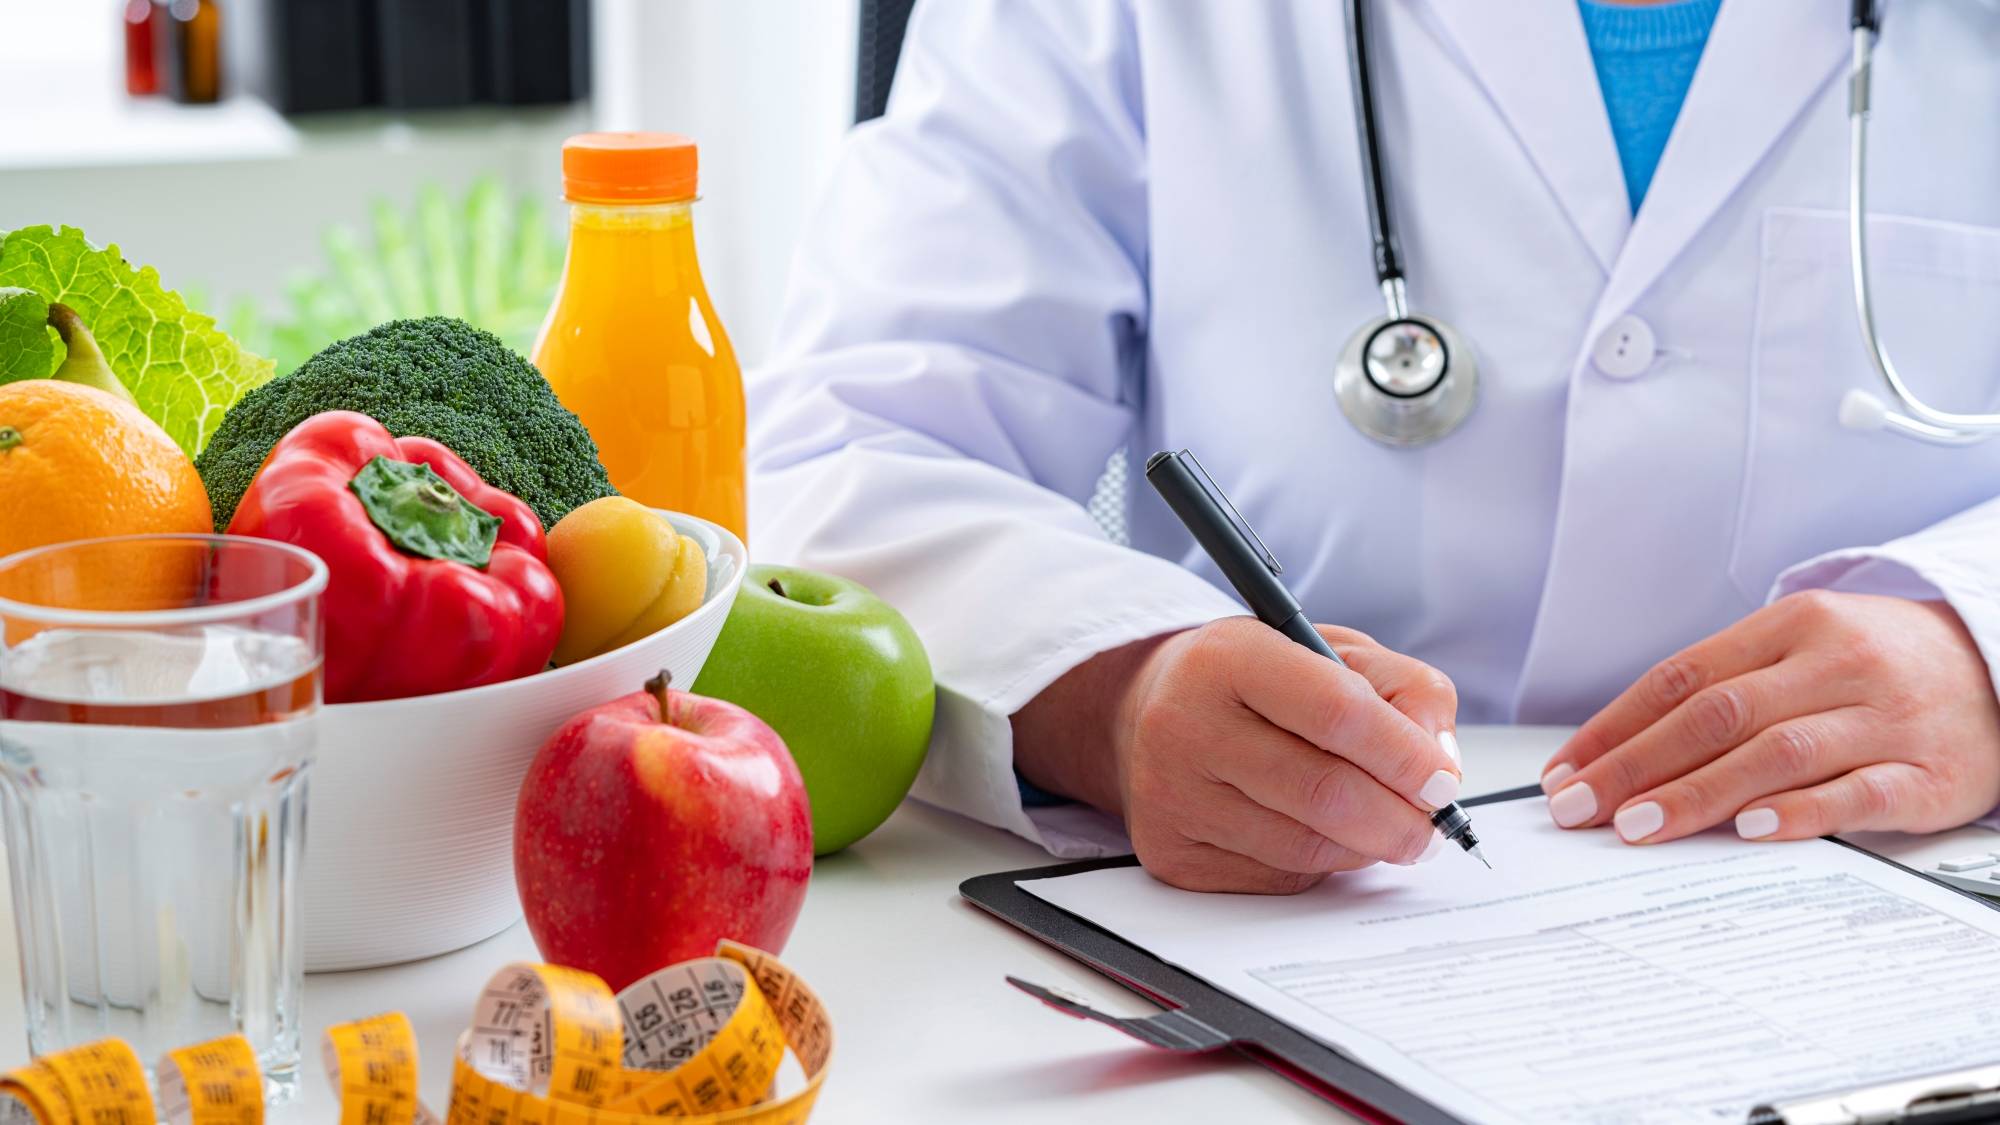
(625, 574)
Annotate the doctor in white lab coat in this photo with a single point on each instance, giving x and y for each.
(1094, 225)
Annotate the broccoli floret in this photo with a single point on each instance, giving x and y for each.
(437, 378)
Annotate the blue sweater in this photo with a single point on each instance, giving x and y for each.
(1646, 56)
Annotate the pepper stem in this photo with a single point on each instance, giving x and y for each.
(438, 496)
(9, 438)
(658, 686)
(422, 514)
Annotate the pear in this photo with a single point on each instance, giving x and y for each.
(86, 361)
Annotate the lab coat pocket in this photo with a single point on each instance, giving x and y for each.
(1811, 485)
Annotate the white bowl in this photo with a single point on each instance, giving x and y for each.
(410, 832)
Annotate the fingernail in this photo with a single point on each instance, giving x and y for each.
(1755, 824)
(1432, 849)
(1639, 821)
(1449, 742)
(1573, 805)
(1557, 774)
(1440, 790)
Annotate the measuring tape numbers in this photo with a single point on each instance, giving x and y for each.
(99, 1083)
(698, 1043)
(372, 1065)
(214, 1083)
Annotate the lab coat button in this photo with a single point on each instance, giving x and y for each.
(1625, 350)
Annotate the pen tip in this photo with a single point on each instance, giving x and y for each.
(1481, 857)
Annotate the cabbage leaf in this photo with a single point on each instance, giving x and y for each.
(184, 371)
(29, 348)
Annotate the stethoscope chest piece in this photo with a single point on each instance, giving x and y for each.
(1406, 380)
(1401, 379)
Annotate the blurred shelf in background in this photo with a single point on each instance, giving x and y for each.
(234, 200)
(439, 67)
(100, 126)
(115, 131)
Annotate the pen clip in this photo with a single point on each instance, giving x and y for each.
(1236, 519)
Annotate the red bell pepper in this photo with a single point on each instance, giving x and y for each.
(437, 581)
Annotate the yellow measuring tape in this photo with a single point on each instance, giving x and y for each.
(699, 1042)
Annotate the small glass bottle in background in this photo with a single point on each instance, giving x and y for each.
(193, 51)
(142, 76)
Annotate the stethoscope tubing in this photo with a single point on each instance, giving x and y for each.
(1920, 421)
(1387, 251)
(1414, 419)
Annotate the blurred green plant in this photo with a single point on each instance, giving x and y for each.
(486, 259)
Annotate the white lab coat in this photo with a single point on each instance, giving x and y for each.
(1087, 224)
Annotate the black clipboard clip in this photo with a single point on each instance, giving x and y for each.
(1956, 1097)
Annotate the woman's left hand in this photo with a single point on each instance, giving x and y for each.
(1822, 712)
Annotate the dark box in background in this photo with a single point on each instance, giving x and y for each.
(312, 56)
(425, 52)
(538, 51)
(322, 55)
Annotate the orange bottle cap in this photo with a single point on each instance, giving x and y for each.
(628, 168)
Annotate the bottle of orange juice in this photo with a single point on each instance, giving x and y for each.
(632, 344)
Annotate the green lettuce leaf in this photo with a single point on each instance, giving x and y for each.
(184, 371)
(29, 348)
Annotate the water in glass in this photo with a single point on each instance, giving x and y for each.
(155, 787)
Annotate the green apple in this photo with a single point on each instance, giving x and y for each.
(842, 678)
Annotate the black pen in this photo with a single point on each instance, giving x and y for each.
(1253, 570)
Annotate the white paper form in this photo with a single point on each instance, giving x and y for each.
(1585, 980)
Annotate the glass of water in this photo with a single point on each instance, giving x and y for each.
(158, 696)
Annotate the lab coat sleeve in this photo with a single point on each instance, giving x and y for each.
(957, 358)
(1957, 561)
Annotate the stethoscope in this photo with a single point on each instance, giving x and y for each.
(1410, 379)
(1862, 410)
(1402, 378)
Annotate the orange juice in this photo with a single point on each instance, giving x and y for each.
(632, 344)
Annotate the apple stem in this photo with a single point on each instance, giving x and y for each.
(658, 686)
(777, 589)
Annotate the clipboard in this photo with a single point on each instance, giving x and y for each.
(1197, 1016)
(1208, 1018)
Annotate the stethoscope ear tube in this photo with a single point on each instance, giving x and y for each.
(1375, 189)
(1862, 410)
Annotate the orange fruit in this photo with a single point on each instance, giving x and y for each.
(77, 463)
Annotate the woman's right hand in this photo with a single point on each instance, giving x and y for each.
(1244, 762)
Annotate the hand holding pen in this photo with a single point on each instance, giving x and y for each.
(1242, 761)
(1250, 567)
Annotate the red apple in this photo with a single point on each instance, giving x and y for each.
(654, 825)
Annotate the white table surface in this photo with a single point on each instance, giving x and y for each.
(926, 1028)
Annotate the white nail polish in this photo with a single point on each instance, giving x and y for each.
(1449, 742)
(1432, 849)
(1573, 805)
(1440, 790)
(1755, 824)
(1558, 773)
(1640, 821)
